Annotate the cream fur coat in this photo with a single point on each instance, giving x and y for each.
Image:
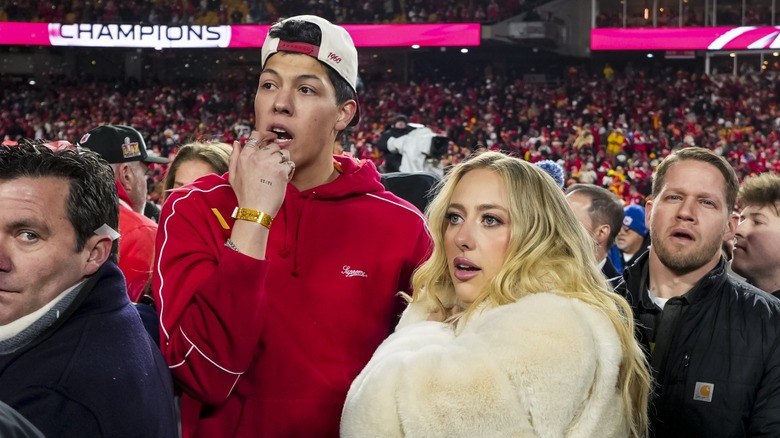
(544, 366)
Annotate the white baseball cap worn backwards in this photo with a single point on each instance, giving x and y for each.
(336, 50)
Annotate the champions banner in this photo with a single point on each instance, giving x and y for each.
(240, 36)
(687, 38)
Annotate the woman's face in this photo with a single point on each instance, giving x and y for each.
(477, 232)
(189, 171)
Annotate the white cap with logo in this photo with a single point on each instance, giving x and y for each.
(336, 50)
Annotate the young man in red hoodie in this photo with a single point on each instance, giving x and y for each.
(276, 282)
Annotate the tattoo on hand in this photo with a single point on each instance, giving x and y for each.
(265, 181)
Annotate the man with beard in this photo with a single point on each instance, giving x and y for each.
(712, 340)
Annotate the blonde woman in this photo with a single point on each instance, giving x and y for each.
(513, 330)
(195, 160)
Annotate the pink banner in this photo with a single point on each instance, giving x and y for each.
(691, 38)
(24, 34)
(382, 35)
(197, 36)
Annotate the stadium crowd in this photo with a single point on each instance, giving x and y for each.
(537, 298)
(214, 12)
(611, 131)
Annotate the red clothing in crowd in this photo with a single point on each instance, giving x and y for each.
(136, 246)
(270, 347)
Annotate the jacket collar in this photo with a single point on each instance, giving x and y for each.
(104, 290)
(637, 278)
(124, 198)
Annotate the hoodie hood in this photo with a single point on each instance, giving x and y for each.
(356, 177)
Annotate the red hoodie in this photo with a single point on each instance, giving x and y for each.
(270, 347)
(136, 246)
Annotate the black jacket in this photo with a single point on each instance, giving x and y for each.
(611, 274)
(13, 425)
(95, 372)
(727, 339)
(416, 187)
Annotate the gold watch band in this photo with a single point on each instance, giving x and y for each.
(247, 214)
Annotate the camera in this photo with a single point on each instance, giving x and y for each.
(439, 146)
(419, 147)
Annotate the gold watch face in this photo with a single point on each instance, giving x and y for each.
(247, 214)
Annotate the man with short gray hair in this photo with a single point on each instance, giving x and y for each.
(125, 149)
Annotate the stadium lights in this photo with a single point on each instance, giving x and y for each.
(415, 46)
(464, 50)
(649, 55)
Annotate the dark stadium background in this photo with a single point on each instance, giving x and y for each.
(529, 88)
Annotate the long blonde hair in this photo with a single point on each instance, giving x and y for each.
(549, 251)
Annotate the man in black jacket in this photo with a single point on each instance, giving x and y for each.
(75, 359)
(713, 341)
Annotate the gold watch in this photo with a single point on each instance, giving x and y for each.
(247, 214)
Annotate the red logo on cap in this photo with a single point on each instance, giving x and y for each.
(305, 48)
(334, 57)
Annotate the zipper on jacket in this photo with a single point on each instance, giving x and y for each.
(682, 373)
(674, 376)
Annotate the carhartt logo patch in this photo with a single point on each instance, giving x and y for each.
(349, 272)
(703, 391)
